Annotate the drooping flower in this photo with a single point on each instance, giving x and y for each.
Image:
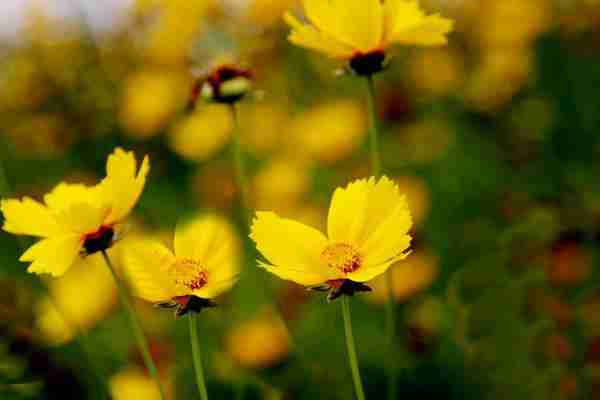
(361, 31)
(203, 265)
(367, 231)
(76, 220)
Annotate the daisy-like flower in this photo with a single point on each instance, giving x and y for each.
(367, 231)
(204, 264)
(225, 83)
(360, 31)
(76, 220)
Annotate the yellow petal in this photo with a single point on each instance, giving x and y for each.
(362, 208)
(307, 36)
(122, 187)
(82, 218)
(432, 31)
(323, 16)
(369, 271)
(204, 238)
(401, 15)
(360, 22)
(147, 265)
(28, 217)
(292, 248)
(65, 195)
(53, 256)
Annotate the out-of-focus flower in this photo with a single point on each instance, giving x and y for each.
(280, 185)
(261, 342)
(367, 227)
(150, 99)
(225, 83)
(204, 264)
(408, 278)
(76, 219)
(41, 134)
(78, 300)
(435, 72)
(201, 135)
(133, 383)
(326, 137)
(417, 196)
(258, 13)
(362, 30)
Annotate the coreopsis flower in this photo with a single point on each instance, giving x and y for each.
(367, 231)
(225, 83)
(361, 31)
(76, 220)
(203, 265)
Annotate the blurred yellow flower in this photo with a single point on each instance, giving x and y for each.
(204, 264)
(361, 30)
(367, 231)
(150, 99)
(69, 308)
(280, 184)
(408, 278)
(417, 196)
(326, 137)
(436, 72)
(204, 133)
(76, 219)
(260, 342)
(266, 13)
(133, 383)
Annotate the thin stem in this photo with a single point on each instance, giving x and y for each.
(373, 132)
(196, 356)
(390, 316)
(135, 325)
(360, 394)
(239, 164)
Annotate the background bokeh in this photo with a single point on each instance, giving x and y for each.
(494, 139)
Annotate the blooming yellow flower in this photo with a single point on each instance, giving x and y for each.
(203, 265)
(367, 231)
(361, 30)
(76, 219)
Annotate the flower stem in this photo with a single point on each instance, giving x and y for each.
(135, 325)
(360, 394)
(390, 317)
(239, 164)
(196, 356)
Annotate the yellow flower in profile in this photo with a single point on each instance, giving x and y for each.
(75, 219)
(204, 264)
(362, 30)
(367, 231)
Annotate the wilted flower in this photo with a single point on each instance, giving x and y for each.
(203, 265)
(367, 231)
(361, 31)
(76, 220)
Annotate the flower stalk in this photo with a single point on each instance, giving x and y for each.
(135, 325)
(199, 372)
(239, 164)
(390, 317)
(352, 358)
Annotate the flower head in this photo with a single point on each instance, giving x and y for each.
(203, 265)
(76, 219)
(226, 83)
(367, 231)
(362, 30)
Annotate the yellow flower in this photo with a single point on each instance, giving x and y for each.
(361, 30)
(76, 219)
(203, 265)
(132, 383)
(367, 231)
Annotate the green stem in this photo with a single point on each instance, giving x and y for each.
(196, 356)
(360, 394)
(135, 325)
(239, 164)
(390, 316)
(373, 131)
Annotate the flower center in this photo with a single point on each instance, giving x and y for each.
(342, 256)
(189, 275)
(366, 64)
(97, 241)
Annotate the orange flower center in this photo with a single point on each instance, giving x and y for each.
(189, 274)
(342, 256)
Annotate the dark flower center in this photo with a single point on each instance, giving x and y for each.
(100, 240)
(367, 64)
